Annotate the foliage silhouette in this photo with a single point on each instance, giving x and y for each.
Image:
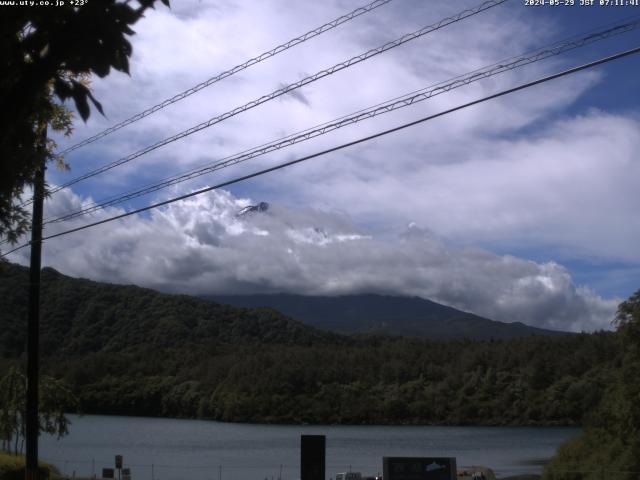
(55, 400)
(47, 52)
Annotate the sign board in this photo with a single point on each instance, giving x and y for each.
(118, 461)
(107, 473)
(419, 468)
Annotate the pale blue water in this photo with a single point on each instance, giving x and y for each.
(170, 449)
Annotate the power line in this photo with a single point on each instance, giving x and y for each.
(232, 71)
(288, 88)
(339, 147)
(399, 102)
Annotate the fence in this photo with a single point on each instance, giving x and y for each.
(93, 469)
(217, 471)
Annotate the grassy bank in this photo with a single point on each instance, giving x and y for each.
(12, 468)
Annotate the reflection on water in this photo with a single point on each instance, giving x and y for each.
(170, 449)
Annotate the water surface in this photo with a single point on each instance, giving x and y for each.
(171, 449)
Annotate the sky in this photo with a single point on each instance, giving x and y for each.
(523, 208)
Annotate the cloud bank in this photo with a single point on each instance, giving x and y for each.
(202, 246)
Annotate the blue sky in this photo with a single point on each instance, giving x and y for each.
(617, 94)
(519, 209)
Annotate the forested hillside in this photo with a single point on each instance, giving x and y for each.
(81, 316)
(128, 350)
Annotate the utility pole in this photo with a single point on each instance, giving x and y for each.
(33, 327)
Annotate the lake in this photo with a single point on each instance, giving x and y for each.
(171, 449)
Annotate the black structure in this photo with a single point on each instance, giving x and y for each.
(32, 424)
(312, 457)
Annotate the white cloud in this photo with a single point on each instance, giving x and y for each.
(202, 246)
(569, 187)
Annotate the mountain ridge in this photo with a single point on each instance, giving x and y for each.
(385, 314)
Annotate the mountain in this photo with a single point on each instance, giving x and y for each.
(383, 314)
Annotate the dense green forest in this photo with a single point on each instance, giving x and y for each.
(609, 445)
(128, 350)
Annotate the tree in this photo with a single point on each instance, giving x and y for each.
(55, 399)
(610, 442)
(47, 53)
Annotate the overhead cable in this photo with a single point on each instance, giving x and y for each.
(287, 89)
(382, 108)
(339, 147)
(227, 73)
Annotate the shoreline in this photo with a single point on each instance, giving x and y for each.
(343, 424)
